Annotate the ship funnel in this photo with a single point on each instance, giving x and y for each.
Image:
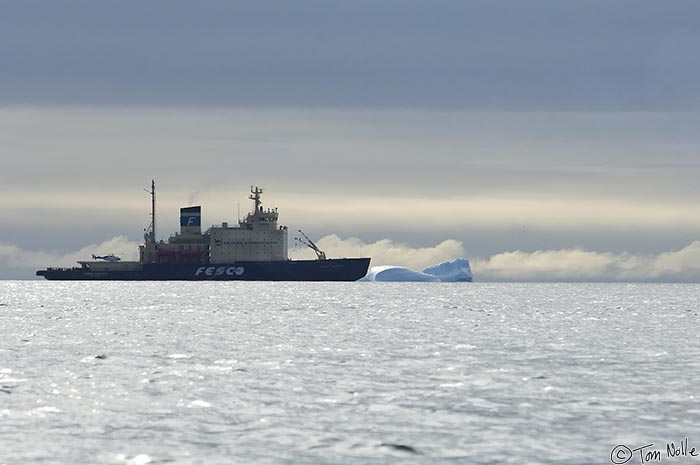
(191, 220)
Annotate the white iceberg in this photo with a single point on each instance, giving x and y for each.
(452, 272)
(448, 272)
(392, 273)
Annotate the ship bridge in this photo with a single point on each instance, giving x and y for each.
(257, 237)
(259, 218)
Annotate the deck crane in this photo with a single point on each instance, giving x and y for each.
(310, 244)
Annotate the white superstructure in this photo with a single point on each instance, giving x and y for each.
(257, 237)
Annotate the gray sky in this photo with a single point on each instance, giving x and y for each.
(539, 54)
(502, 125)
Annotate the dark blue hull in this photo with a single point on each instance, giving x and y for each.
(344, 269)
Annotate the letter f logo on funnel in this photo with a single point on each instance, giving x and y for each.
(190, 220)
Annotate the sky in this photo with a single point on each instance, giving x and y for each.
(542, 140)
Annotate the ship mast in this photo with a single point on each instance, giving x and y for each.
(150, 236)
(153, 209)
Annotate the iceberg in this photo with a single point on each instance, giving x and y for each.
(392, 273)
(447, 272)
(452, 272)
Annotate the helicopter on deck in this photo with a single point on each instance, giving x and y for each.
(108, 258)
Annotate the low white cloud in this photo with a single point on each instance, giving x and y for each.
(543, 265)
(386, 251)
(582, 265)
(16, 262)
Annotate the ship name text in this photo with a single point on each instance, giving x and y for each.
(219, 271)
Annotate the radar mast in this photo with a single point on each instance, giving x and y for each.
(255, 196)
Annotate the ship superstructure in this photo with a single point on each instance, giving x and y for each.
(255, 238)
(254, 249)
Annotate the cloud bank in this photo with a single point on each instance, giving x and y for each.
(498, 180)
(542, 265)
(581, 265)
(386, 251)
(575, 265)
(18, 263)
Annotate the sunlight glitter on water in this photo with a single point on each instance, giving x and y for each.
(344, 373)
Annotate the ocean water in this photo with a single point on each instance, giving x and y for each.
(347, 373)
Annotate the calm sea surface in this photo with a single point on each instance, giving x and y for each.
(352, 373)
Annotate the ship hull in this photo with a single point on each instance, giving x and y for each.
(344, 269)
